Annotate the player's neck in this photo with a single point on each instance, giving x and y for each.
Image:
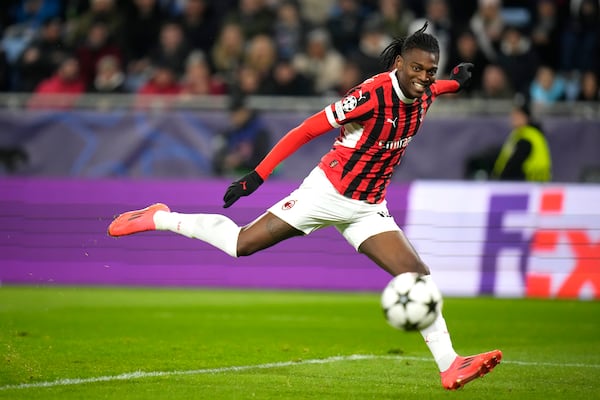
(398, 89)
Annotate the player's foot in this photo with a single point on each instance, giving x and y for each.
(465, 369)
(136, 221)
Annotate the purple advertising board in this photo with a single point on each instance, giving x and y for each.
(54, 232)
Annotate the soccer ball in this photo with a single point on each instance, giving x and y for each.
(411, 302)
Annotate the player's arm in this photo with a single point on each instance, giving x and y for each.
(460, 77)
(315, 125)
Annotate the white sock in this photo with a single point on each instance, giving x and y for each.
(214, 229)
(438, 340)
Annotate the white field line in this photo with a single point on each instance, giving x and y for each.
(151, 374)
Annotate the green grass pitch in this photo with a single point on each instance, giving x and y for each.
(117, 343)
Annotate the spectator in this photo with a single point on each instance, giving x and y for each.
(228, 52)
(261, 56)
(440, 26)
(287, 81)
(254, 17)
(373, 40)
(350, 78)
(241, 146)
(396, 17)
(316, 12)
(545, 33)
(547, 88)
(162, 82)
(161, 90)
(75, 8)
(579, 45)
(462, 11)
(98, 44)
(589, 90)
(466, 49)
(65, 81)
(34, 12)
(28, 16)
(247, 81)
(290, 29)
(525, 155)
(495, 84)
(320, 62)
(588, 101)
(42, 57)
(487, 24)
(518, 59)
(345, 25)
(198, 80)
(109, 76)
(100, 10)
(144, 19)
(199, 24)
(172, 49)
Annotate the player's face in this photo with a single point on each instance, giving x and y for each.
(416, 71)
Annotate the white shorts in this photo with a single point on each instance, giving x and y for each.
(317, 204)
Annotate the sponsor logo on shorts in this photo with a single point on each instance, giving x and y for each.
(288, 204)
(333, 164)
(384, 214)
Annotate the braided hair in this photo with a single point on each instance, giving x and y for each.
(399, 46)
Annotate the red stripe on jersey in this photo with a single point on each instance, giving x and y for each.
(376, 128)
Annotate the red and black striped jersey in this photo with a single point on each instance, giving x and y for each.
(377, 123)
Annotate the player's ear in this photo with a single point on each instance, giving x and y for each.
(399, 62)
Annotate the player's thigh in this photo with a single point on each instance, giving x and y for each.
(393, 252)
(265, 231)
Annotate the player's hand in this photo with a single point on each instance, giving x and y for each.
(242, 187)
(462, 74)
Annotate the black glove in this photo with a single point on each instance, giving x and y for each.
(242, 187)
(462, 74)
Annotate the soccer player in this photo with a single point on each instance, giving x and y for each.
(378, 119)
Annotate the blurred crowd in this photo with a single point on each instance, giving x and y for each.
(548, 50)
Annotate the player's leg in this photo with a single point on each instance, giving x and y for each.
(297, 214)
(393, 252)
(265, 231)
(375, 233)
(215, 229)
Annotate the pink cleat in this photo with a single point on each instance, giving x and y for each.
(465, 369)
(136, 221)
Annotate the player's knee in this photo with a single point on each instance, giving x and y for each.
(422, 268)
(415, 265)
(245, 248)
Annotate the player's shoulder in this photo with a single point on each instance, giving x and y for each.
(375, 81)
(363, 91)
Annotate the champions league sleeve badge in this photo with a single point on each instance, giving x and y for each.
(349, 103)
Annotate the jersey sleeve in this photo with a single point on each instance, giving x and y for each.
(314, 126)
(445, 86)
(356, 105)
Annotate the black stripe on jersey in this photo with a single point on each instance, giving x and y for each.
(429, 100)
(378, 185)
(370, 142)
(407, 130)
